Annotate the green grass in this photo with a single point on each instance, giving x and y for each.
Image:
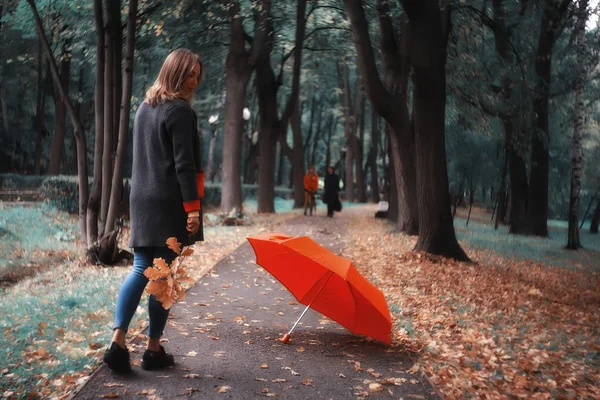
(549, 250)
(39, 227)
(67, 318)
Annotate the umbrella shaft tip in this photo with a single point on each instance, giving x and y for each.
(285, 339)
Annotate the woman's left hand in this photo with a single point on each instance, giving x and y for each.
(193, 224)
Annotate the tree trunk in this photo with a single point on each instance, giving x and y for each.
(372, 158)
(117, 70)
(436, 230)
(80, 114)
(392, 187)
(390, 102)
(239, 65)
(595, 219)
(77, 127)
(573, 242)
(513, 133)
(94, 201)
(4, 112)
(109, 111)
(518, 176)
(60, 116)
(536, 222)
(307, 140)
(361, 189)
(349, 115)
(587, 210)
(280, 167)
(317, 138)
(39, 112)
(402, 134)
(238, 75)
(211, 171)
(297, 159)
(117, 179)
(292, 112)
(501, 210)
(269, 128)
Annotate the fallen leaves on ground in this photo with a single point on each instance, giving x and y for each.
(495, 329)
(223, 389)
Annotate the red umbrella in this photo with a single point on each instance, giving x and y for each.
(324, 282)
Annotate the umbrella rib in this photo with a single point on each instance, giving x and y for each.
(355, 305)
(329, 273)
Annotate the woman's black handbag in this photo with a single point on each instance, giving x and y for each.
(337, 206)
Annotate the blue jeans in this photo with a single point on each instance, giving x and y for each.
(133, 286)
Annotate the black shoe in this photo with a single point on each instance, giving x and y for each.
(117, 359)
(157, 359)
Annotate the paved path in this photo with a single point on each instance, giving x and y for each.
(224, 338)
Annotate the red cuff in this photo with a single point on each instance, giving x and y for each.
(193, 205)
(200, 184)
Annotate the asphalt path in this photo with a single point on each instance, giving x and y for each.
(224, 338)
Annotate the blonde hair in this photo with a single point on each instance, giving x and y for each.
(173, 72)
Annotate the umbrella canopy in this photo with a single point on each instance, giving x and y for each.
(324, 281)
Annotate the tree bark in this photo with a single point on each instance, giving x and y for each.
(518, 176)
(349, 118)
(114, 209)
(372, 157)
(307, 140)
(117, 71)
(77, 127)
(60, 116)
(501, 210)
(39, 112)
(4, 112)
(573, 241)
(361, 190)
(269, 126)
(210, 169)
(428, 58)
(109, 111)
(317, 138)
(94, 200)
(331, 128)
(392, 188)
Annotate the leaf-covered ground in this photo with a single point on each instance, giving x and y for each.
(504, 326)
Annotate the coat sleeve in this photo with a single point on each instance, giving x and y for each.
(180, 125)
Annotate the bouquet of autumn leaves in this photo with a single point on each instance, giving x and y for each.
(166, 280)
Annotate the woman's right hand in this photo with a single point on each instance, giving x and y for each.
(193, 224)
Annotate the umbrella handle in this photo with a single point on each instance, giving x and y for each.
(286, 337)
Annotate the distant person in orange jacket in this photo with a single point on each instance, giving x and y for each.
(311, 184)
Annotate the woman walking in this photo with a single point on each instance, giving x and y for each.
(166, 185)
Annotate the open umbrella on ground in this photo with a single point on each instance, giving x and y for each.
(324, 282)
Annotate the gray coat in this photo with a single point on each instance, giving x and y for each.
(166, 158)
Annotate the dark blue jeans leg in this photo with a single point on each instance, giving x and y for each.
(133, 287)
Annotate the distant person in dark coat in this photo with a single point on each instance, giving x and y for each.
(166, 186)
(331, 190)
